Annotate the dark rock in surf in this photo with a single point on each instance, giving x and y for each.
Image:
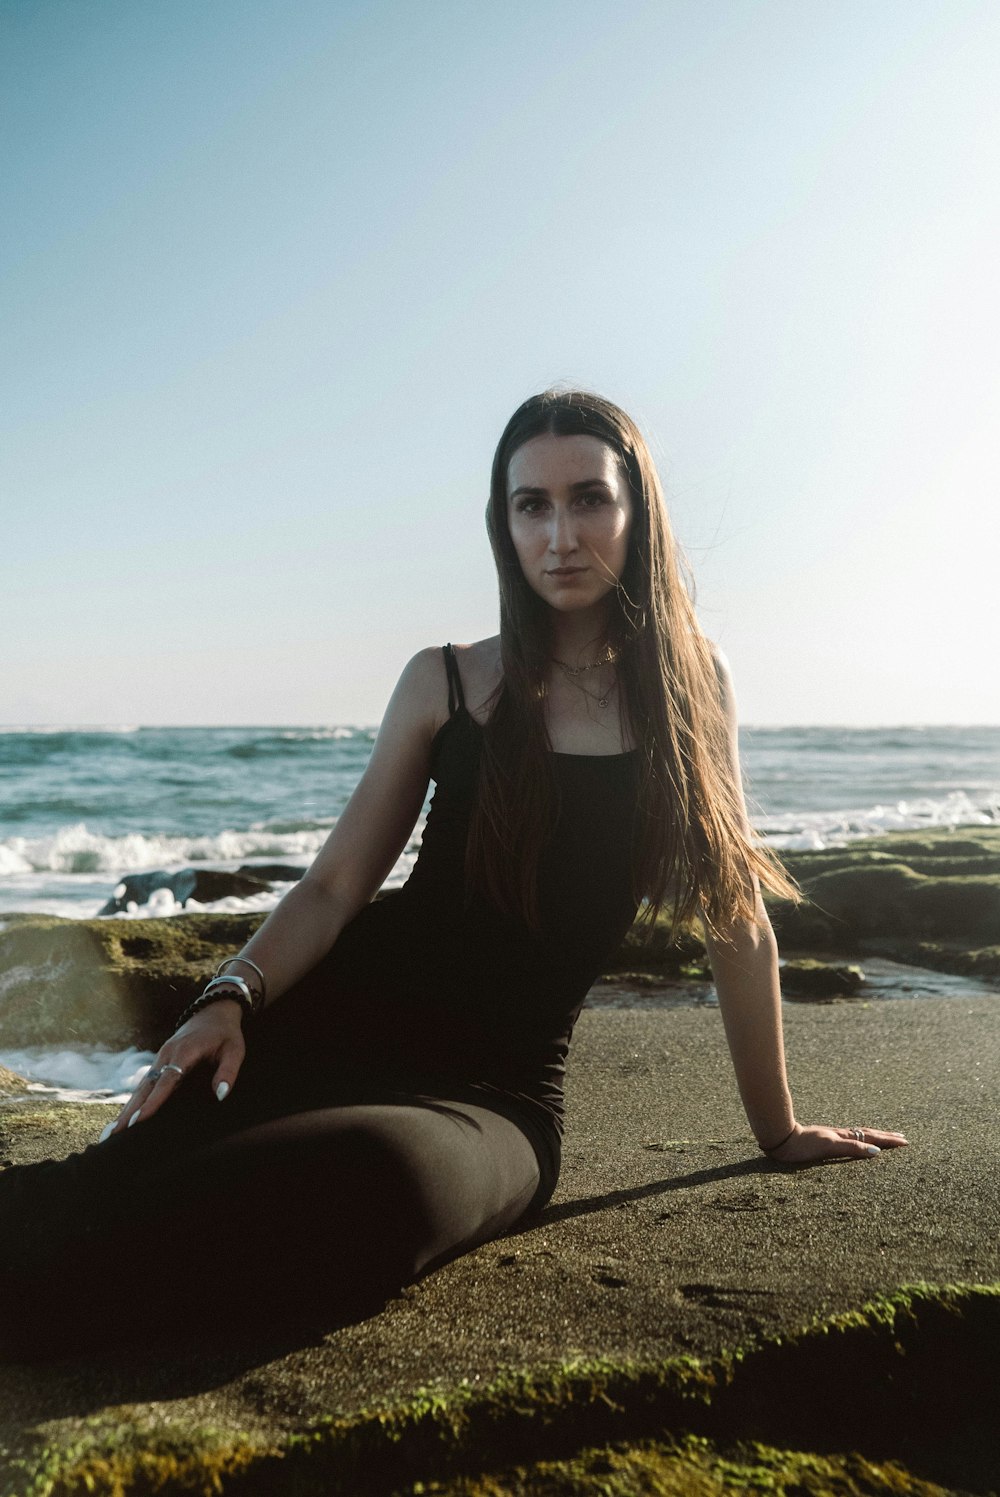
(202, 884)
(273, 873)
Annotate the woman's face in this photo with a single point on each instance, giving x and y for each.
(569, 510)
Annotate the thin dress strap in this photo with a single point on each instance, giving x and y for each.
(456, 696)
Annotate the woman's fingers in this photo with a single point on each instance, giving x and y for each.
(159, 1082)
(230, 1059)
(223, 1045)
(813, 1145)
(878, 1138)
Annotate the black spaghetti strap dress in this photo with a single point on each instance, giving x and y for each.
(399, 1105)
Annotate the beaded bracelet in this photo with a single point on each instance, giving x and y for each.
(253, 994)
(215, 991)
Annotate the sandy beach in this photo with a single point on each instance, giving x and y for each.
(669, 1235)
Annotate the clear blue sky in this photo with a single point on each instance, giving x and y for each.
(275, 273)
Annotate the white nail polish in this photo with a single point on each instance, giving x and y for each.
(106, 1132)
(222, 1090)
(874, 1149)
(134, 1118)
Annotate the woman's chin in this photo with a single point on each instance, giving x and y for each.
(567, 602)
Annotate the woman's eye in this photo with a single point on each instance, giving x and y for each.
(529, 506)
(592, 501)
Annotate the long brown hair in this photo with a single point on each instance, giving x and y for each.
(690, 846)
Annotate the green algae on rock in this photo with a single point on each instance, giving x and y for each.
(853, 1403)
(11, 1084)
(650, 949)
(109, 982)
(931, 900)
(691, 1467)
(813, 980)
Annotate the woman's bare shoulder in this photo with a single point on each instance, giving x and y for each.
(479, 667)
(422, 690)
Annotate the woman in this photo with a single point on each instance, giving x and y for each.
(399, 1099)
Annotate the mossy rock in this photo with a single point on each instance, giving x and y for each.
(770, 1418)
(898, 889)
(976, 851)
(894, 900)
(814, 980)
(109, 982)
(11, 1084)
(981, 962)
(653, 948)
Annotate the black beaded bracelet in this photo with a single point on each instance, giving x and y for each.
(215, 996)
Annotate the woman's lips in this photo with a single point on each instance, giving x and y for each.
(565, 571)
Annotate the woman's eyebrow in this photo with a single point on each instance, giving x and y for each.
(574, 488)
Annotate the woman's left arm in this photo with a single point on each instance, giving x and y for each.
(745, 967)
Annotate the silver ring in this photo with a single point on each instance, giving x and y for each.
(155, 1072)
(859, 1134)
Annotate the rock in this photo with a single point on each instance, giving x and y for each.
(866, 901)
(979, 962)
(11, 1084)
(109, 982)
(216, 883)
(940, 853)
(277, 873)
(203, 884)
(810, 979)
(650, 950)
(904, 893)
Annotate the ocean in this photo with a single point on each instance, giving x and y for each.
(80, 807)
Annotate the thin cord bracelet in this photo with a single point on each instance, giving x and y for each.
(771, 1147)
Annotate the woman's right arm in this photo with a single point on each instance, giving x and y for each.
(352, 865)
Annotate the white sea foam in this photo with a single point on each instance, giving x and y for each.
(814, 830)
(75, 849)
(319, 735)
(87, 1074)
(74, 871)
(162, 904)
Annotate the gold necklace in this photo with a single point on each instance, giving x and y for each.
(608, 658)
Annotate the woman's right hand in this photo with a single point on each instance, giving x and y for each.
(214, 1034)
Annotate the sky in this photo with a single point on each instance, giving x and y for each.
(274, 273)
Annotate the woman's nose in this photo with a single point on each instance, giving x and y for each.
(562, 533)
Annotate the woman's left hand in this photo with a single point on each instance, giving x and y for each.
(814, 1144)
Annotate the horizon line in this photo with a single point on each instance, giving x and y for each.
(119, 727)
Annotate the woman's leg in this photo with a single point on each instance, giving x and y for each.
(304, 1213)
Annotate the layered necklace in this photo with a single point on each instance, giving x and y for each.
(572, 672)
